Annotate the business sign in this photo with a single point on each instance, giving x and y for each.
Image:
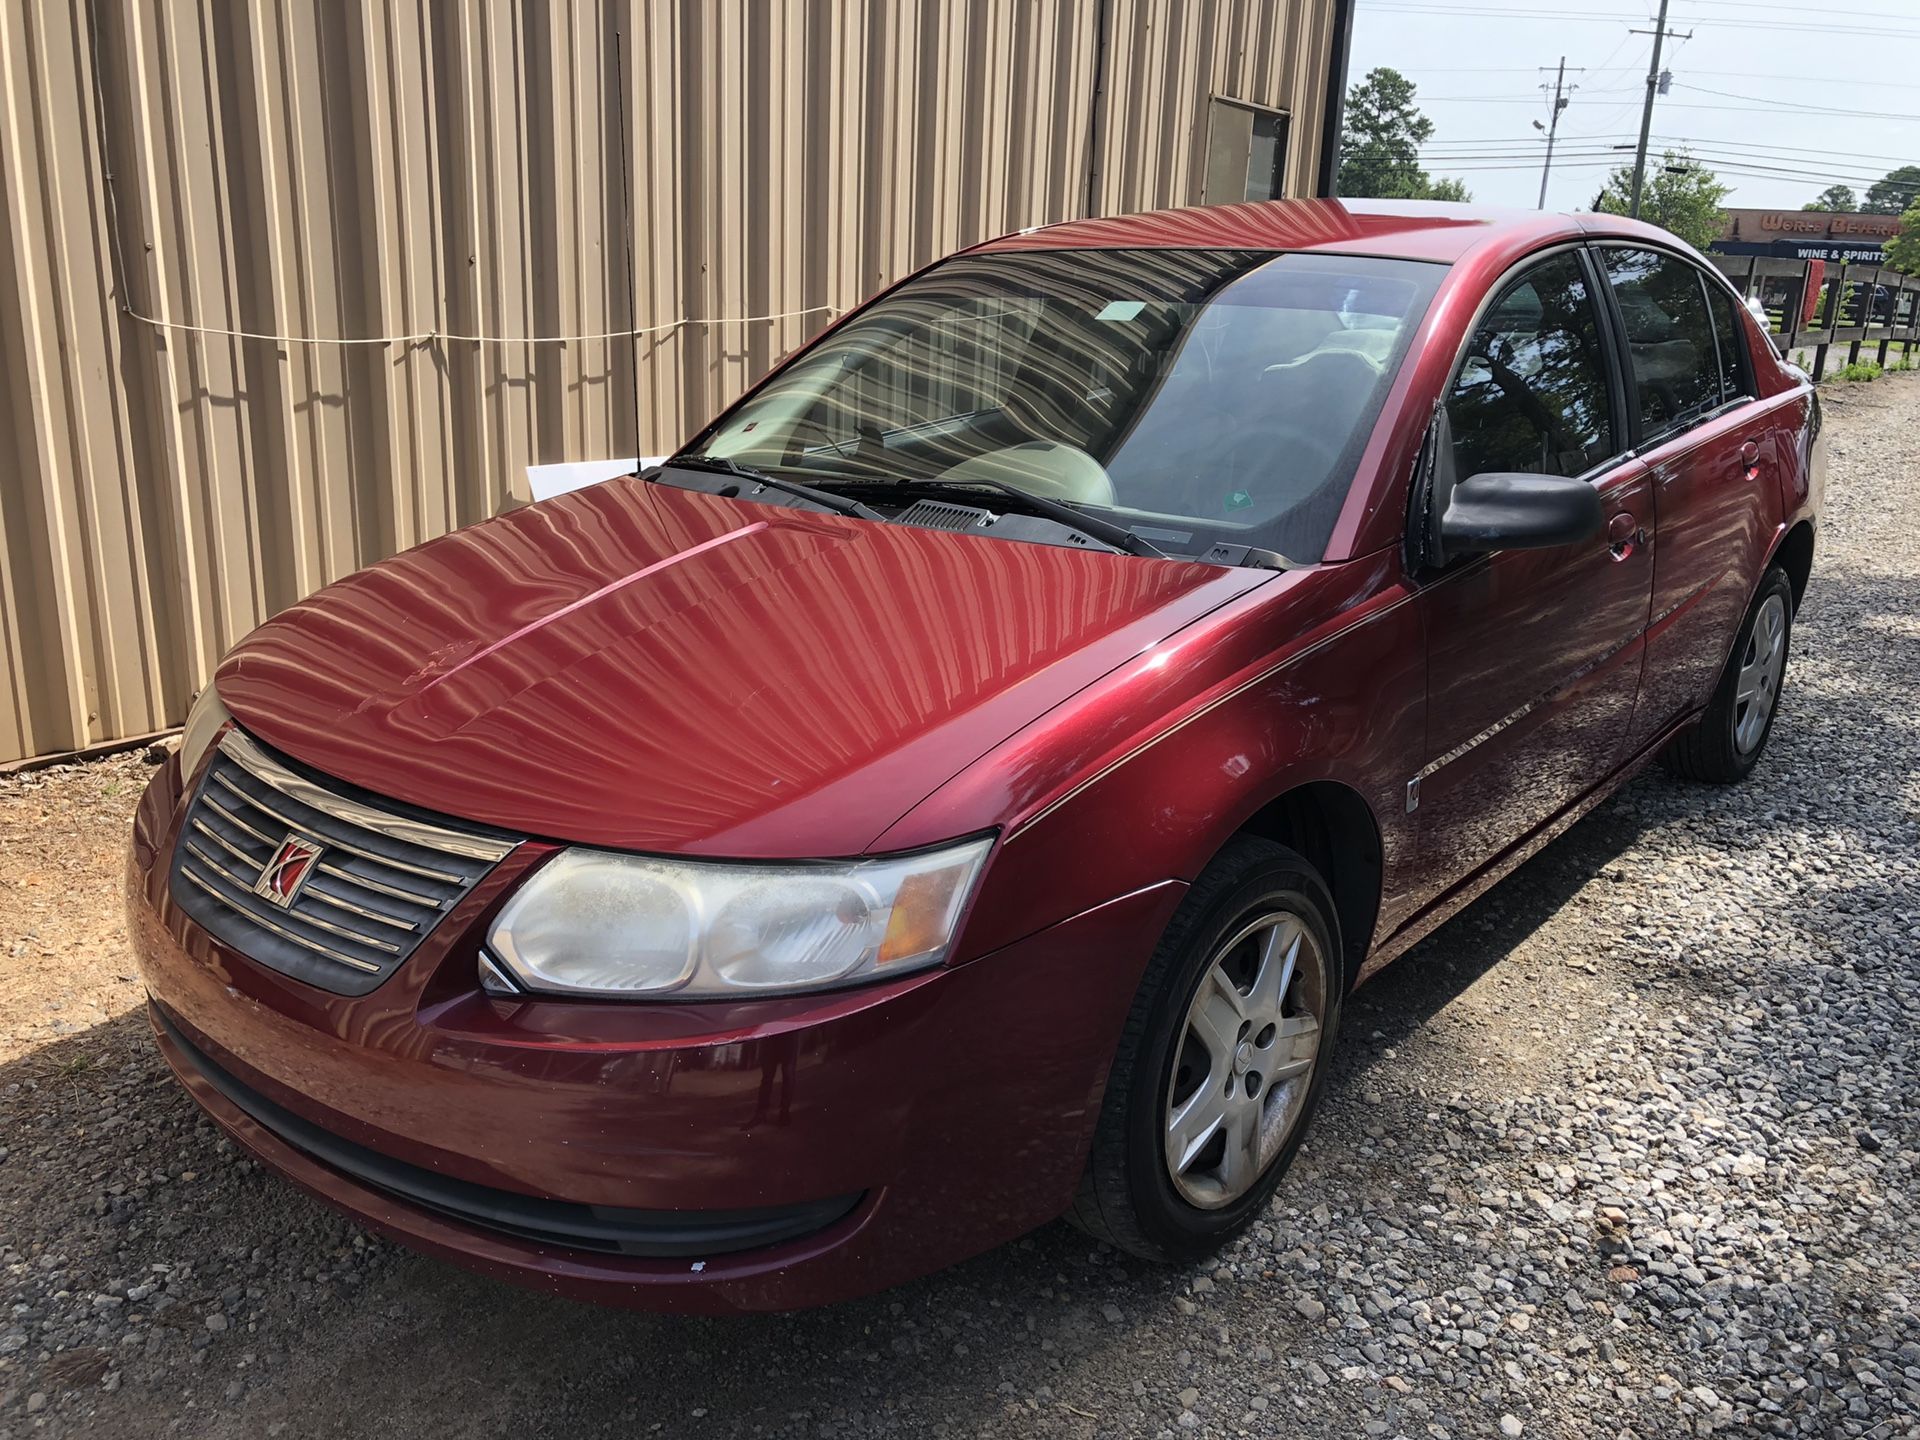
(1856, 253)
(1849, 237)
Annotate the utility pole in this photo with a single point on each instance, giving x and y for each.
(1552, 127)
(1659, 33)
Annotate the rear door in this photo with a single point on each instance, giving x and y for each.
(1710, 455)
(1533, 655)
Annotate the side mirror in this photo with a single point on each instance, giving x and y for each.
(1518, 512)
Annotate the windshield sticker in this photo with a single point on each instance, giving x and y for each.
(1121, 310)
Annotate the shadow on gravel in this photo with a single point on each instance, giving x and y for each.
(1405, 997)
(430, 1349)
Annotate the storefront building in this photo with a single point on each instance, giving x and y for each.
(1849, 238)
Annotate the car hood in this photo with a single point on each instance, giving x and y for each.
(657, 669)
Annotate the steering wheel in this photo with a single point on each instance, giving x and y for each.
(1278, 448)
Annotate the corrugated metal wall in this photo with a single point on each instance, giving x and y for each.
(323, 171)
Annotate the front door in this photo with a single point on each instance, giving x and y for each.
(1534, 657)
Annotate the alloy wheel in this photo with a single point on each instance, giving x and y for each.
(1245, 1061)
(1758, 686)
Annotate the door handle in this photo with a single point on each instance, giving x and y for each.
(1750, 458)
(1624, 535)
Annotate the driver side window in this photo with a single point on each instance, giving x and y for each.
(1532, 395)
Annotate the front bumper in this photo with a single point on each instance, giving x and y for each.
(872, 1135)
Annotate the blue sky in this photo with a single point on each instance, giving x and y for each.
(1760, 90)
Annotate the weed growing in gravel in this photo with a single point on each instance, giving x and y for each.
(1859, 370)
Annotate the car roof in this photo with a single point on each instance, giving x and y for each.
(1403, 229)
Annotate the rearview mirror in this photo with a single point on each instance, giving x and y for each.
(1518, 512)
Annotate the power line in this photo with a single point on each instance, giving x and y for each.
(1735, 159)
(1794, 27)
(1807, 79)
(1477, 169)
(1476, 69)
(1793, 105)
(1513, 99)
(1756, 162)
(1616, 112)
(1851, 20)
(1394, 7)
(1768, 108)
(1813, 177)
(1521, 147)
(1761, 160)
(1518, 153)
(1441, 150)
(1804, 149)
(1745, 23)
(1776, 110)
(1606, 65)
(1513, 139)
(1855, 9)
(1745, 7)
(1717, 168)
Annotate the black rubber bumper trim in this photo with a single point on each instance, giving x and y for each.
(662, 1234)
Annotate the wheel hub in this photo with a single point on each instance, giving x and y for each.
(1762, 663)
(1245, 1059)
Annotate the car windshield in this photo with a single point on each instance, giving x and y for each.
(1198, 397)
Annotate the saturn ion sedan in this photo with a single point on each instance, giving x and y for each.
(959, 788)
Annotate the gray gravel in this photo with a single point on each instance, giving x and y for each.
(1627, 1149)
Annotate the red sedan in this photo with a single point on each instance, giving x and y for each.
(960, 787)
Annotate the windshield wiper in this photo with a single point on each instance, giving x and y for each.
(1108, 532)
(825, 499)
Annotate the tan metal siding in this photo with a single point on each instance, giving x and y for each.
(317, 169)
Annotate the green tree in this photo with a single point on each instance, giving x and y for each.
(1381, 139)
(1894, 192)
(1834, 197)
(1380, 143)
(1903, 250)
(1680, 195)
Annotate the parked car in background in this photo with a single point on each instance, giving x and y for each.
(963, 784)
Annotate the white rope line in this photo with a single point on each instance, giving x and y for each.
(424, 335)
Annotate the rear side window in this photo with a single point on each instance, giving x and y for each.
(1670, 337)
(1732, 342)
(1532, 392)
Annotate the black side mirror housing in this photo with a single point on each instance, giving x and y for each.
(1518, 512)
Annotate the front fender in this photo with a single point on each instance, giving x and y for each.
(1146, 777)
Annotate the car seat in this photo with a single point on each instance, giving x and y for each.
(1041, 467)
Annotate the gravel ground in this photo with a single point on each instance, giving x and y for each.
(1627, 1149)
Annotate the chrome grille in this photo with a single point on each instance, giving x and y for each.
(313, 883)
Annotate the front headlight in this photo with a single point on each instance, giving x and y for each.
(590, 922)
(205, 721)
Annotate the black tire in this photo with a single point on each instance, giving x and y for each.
(1708, 751)
(1127, 1197)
